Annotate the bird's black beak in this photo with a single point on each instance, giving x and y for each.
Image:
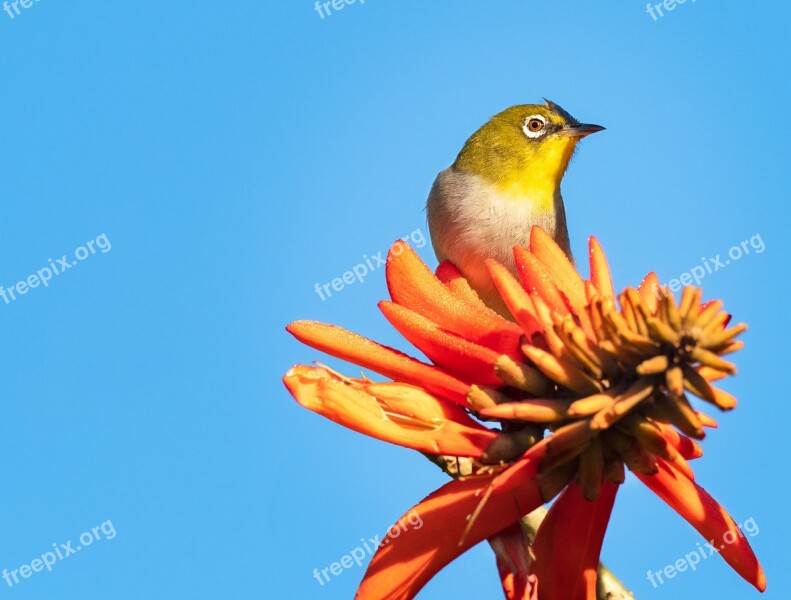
(579, 130)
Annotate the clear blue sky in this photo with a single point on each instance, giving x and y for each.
(233, 155)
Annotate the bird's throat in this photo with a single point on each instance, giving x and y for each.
(538, 189)
(529, 178)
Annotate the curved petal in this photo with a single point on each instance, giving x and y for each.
(568, 544)
(516, 299)
(400, 568)
(706, 420)
(536, 280)
(448, 274)
(649, 291)
(386, 361)
(563, 273)
(393, 412)
(600, 270)
(685, 446)
(557, 263)
(512, 549)
(468, 360)
(412, 284)
(697, 506)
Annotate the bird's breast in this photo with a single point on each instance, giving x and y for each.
(468, 215)
(472, 220)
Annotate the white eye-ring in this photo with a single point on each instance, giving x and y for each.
(535, 126)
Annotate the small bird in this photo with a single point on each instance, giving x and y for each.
(505, 180)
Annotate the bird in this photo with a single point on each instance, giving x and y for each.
(505, 180)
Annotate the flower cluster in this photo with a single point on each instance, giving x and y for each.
(583, 384)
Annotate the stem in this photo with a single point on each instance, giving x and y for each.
(608, 587)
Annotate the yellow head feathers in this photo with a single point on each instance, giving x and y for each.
(525, 150)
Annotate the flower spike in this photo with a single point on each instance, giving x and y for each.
(583, 385)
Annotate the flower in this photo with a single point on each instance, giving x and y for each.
(583, 383)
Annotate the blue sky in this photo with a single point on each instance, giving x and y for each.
(234, 155)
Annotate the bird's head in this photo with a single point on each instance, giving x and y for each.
(525, 149)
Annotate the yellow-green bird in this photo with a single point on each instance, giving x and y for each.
(505, 180)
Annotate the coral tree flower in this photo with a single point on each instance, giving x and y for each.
(583, 383)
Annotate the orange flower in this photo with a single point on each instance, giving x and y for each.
(582, 384)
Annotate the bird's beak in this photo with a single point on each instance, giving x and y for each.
(579, 130)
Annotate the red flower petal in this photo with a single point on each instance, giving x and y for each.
(557, 263)
(515, 297)
(536, 280)
(697, 506)
(400, 569)
(448, 274)
(562, 271)
(394, 412)
(685, 446)
(600, 270)
(649, 291)
(412, 284)
(465, 358)
(386, 361)
(512, 548)
(569, 542)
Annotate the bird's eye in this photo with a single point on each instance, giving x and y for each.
(534, 126)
